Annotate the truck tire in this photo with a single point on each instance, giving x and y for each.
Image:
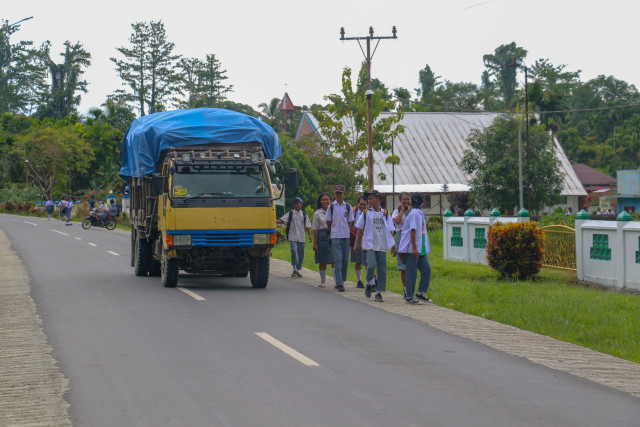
(259, 272)
(143, 257)
(169, 272)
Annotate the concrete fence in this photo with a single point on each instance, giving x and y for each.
(608, 252)
(465, 238)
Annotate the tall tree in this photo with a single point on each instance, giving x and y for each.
(499, 65)
(428, 81)
(148, 67)
(213, 76)
(344, 124)
(56, 154)
(492, 164)
(21, 73)
(66, 80)
(403, 98)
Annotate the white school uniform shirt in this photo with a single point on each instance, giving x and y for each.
(297, 229)
(395, 214)
(377, 231)
(415, 221)
(340, 221)
(320, 220)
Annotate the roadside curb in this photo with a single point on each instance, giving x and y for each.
(31, 384)
(582, 362)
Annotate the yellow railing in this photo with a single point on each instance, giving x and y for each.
(560, 247)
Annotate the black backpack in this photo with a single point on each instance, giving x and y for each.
(332, 205)
(304, 220)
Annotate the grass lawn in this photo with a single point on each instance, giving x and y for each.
(552, 305)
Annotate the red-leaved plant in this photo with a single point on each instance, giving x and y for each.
(515, 250)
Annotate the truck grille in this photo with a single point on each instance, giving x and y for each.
(222, 237)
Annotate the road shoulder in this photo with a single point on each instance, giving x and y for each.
(570, 358)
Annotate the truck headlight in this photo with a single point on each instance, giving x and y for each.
(261, 239)
(182, 240)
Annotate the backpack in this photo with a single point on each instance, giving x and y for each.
(304, 220)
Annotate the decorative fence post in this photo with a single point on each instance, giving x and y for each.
(581, 217)
(622, 220)
(523, 215)
(494, 216)
(445, 233)
(467, 234)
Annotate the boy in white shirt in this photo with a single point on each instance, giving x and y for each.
(297, 222)
(413, 249)
(376, 227)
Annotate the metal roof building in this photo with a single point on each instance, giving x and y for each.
(431, 150)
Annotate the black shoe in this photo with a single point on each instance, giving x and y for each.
(294, 275)
(367, 291)
(340, 288)
(298, 274)
(374, 287)
(423, 297)
(360, 285)
(414, 301)
(379, 298)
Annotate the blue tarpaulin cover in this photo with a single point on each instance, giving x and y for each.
(149, 135)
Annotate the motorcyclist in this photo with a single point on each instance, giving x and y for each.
(113, 211)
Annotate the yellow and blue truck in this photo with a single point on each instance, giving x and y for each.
(201, 187)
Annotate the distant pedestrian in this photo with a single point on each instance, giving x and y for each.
(357, 255)
(414, 248)
(297, 222)
(321, 238)
(92, 202)
(376, 228)
(339, 219)
(68, 211)
(399, 216)
(49, 206)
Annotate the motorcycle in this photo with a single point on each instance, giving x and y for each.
(94, 220)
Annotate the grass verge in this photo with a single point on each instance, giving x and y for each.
(553, 304)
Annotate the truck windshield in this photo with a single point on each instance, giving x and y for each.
(239, 180)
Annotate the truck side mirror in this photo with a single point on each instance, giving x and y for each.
(292, 179)
(157, 185)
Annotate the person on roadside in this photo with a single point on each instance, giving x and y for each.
(357, 254)
(339, 219)
(414, 248)
(297, 222)
(321, 238)
(398, 217)
(68, 211)
(92, 202)
(376, 229)
(49, 206)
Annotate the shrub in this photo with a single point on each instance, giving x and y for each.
(515, 250)
(434, 223)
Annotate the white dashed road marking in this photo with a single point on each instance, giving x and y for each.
(31, 223)
(113, 253)
(285, 348)
(191, 294)
(60, 232)
(77, 238)
(92, 244)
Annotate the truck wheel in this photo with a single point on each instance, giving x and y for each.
(142, 258)
(169, 272)
(259, 272)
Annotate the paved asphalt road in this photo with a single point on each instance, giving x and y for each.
(137, 354)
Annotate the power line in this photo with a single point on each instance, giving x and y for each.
(579, 110)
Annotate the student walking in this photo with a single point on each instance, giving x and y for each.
(69, 206)
(358, 255)
(297, 222)
(339, 219)
(414, 248)
(321, 238)
(398, 217)
(49, 207)
(376, 228)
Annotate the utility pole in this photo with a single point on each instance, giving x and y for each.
(369, 93)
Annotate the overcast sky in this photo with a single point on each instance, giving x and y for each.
(268, 47)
